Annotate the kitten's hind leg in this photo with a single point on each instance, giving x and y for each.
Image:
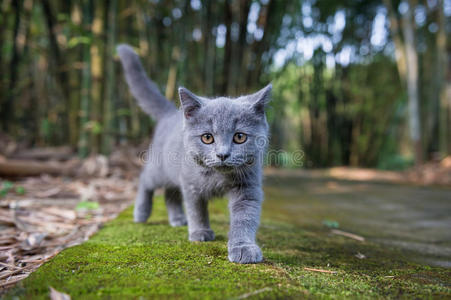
(174, 205)
(143, 201)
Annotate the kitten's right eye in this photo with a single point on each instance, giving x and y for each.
(207, 138)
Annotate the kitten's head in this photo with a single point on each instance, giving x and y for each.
(225, 133)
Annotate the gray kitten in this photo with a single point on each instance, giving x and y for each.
(210, 147)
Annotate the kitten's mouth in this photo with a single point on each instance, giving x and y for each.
(220, 167)
(230, 166)
(224, 168)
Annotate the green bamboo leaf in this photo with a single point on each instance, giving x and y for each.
(87, 205)
(331, 223)
(20, 190)
(75, 41)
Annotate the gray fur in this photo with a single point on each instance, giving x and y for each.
(141, 87)
(182, 164)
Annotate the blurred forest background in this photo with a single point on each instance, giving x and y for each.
(358, 83)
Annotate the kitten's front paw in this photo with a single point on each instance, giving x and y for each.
(245, 254)
(140, 217)
(203, 235)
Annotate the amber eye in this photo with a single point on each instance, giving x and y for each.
(239, 137)
(207, 138)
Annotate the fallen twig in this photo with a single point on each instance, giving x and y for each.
(320, 270)
(348, 234)
(50, 153)
(56, 295)
(32, 168)
(11, 273)
(10, 266)
(247, 295)
(12, 281)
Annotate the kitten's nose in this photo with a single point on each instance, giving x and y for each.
(223, 156)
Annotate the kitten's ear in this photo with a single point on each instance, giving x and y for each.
(261, 98)
(190, 102)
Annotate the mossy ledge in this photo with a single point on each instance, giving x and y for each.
(154, 260)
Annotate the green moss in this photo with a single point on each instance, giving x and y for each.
(127, 260)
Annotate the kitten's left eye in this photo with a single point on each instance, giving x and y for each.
(239, 138)
(207, 138)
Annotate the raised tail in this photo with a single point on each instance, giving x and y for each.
(142, 88)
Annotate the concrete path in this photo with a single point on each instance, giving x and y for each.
(414, 219)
